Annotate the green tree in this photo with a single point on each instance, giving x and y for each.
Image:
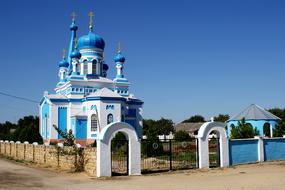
(222, 118)
(279, 130)
(157, 127)
(27, 129)
(195, 119)
(181, 135)
(278, 112)
(30, 134)
(69, 139)
(243, 130)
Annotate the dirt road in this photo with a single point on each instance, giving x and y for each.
(265, 176)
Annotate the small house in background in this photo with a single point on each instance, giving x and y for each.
(191, 128)
(258, 117)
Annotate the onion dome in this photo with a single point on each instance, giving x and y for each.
(105, 67)
(119, 58)
(63, 63)
(75, 54)
(91, 41)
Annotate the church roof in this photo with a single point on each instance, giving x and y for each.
(254, 112)
(105, 92)
(56, 96)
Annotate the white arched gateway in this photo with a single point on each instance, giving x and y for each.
(104, 166)
(203, 143)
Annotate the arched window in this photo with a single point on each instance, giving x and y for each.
(266, 129)
(94, 64)
(110, 118)
(85, 67)
(94, 122)
(231, 127)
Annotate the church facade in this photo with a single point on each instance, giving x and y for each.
(85, 99)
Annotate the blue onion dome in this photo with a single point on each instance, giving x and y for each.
(91, 41)
(75, 54)
(63, 63)
(119, 58)
(105, 67)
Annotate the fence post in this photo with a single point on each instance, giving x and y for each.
(25, 147)
(197, 152)
(34, 144)
(260, 148)
(45, 155)
(17, 148)
(170, 155)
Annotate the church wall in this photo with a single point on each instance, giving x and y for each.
(134, 117)
(45, 120)
(62, 120)
(110, 107)
(91, 107)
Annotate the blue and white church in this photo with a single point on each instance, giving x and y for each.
(85, 99)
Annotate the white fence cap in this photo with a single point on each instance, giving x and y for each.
(60, 145)
(26, 142)
(18, 142)
(6, 141)
(12, 142)
(35, 143)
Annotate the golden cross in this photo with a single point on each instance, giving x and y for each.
(91, 14)
(63, 53)
(73, 16)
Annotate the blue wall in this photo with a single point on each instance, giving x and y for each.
(81, 128)
(45, 121)
(243, 151)
(62, 120)
(274, 149)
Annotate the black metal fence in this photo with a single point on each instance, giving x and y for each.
(163, 155)
(214, 152)
(166, 155)
(120, 157)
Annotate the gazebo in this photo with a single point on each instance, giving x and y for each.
(258, 117)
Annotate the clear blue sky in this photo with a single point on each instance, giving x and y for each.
(184, 57)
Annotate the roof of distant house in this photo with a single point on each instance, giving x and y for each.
(189, 127)
(254, 112)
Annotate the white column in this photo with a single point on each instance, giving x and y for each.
(74, 63)
(82, 68)
(271, 130)
(260, 148)
(203, 153)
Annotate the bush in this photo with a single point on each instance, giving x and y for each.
(182, 135)
(279, 130)
(243, 130)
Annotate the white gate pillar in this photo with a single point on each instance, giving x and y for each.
(203, 153)
(104, 165)
(203, 144)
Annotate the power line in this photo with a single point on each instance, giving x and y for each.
(18, 97)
